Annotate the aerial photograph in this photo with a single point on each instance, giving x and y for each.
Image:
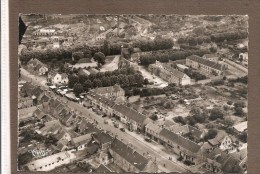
(132, 93)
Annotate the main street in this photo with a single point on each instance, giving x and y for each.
(164, 164)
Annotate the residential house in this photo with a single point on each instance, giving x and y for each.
(129, 160)
(243, 56)
(240, 127)
(132, 118)
(37, 67)
(182, 146)
(58, 79)
(50, 162)
(217, 161)
(111, 92)
(204, 65)
(211, 57)
(152, 131)
(103, 169)
(81, 141)
(169, 74)
(45, 32)
(222, 141)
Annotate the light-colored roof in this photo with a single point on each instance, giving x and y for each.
(36, 164)
(81, 139)
(241, 126)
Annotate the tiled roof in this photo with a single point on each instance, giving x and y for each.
(169, 70)
(102, 99)
(103, 138)
(205, 62)
(82, 139)
(130, 113)
(64, 75)
(180, 140)
(129, 154)
(105, 90)
(209, 55)
(219, 137)
(84, 60)
(153, 127)
(102, 169)
(241, 126)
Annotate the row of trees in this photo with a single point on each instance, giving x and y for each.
(219, 37)
(194, 75)
(125, 78)
(158, 43)
(166, 55)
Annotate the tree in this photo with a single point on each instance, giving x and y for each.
(239, 111)
(77, 55)
(106, 81)
(97, 83)
(154, 117)
(146, 82)
(131, 79)
(73, 79)
(139, 79)
(87, 85)
(24, 158)
(243, 137)
(211, 134)
(99, 57)
(179, 119)
(106, 47)
(215, 114)
(77, 89)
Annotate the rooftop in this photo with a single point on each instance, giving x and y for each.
(205, 62)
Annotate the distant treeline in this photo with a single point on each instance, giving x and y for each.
(219, 37)
(166, 55)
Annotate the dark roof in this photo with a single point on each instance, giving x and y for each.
(102, 169)
(205, 62)
(102, 99)
(129, 154)
(54, 103)
(130, 113)
(39, 113)
(232, 166)
(209, 55)
(84, 60)
(180, 140)
(44, 98)
(82, 139)
(103, 138)
(64, 75)
(110, 89)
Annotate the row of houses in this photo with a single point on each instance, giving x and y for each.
(214, 154)
(169, 74)
(90, 140)
(206, 64)
(132, 118)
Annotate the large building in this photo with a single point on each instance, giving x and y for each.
(129, 160)
(205, 65)
(169, 74)
(111, 92)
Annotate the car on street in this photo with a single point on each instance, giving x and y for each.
(148, 139)
(122, 129)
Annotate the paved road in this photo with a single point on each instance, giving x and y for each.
(129, 137)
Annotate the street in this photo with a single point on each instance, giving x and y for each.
(129, 137)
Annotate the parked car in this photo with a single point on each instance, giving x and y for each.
(148, 139)
(122, 129)
(104, 115)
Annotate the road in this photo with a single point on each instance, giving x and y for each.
(113, 65)
(129, 137)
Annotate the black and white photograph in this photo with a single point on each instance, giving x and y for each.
(132, 93)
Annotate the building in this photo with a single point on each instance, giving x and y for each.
(82, 141)
(37, 67)
(169, 74)
(180, 145)
(50, 162)
(132, 118)
(111, 92)
(58, 79)
(211, 57)
(204, 65)
(129, 160)
(244, 56)
(240, 127)
(222, 141)
(45, 32)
